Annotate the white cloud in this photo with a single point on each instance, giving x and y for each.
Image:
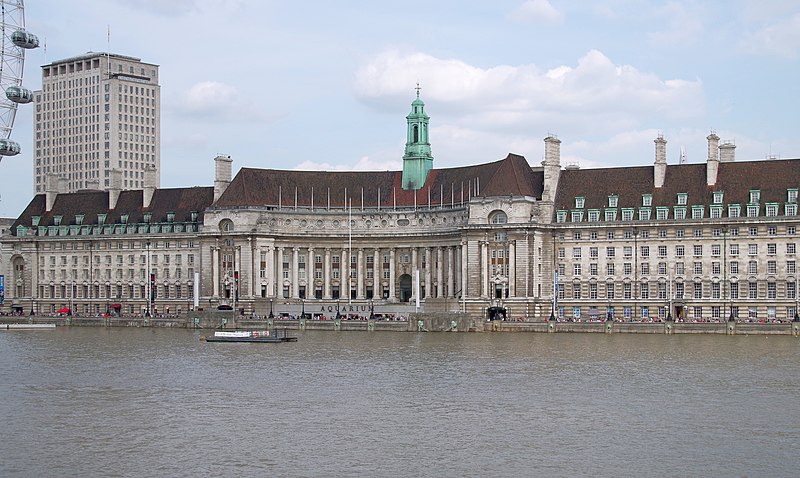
(209, 97)
(365, 163)
(781, 38)
(537, 12)
(594, 95)
(217, 100)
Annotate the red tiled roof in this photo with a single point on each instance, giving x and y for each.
(270, 187)
(90, 203)
(734, 179)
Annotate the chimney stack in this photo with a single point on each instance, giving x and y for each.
(660, 169)
(712, 166)
(552, 167)
(150, 178)
(51, 184)
(222, 174)
(115, 188)
(727, 152)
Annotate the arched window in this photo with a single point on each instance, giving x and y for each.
(226, 225)
(415, 132)
(498, 217)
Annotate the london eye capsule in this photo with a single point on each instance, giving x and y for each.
(24, 39)
(8, 147)
(18, 94)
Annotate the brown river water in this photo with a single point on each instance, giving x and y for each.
(159, 402)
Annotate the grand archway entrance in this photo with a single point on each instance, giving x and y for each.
(405, 288)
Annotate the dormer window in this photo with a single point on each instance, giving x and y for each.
(170, 217)
(35, 220)
(791, 195)
(101, 219)
(147, 217)
(682, 197)
(717, 197)
(57, 220)
(194, 215)
(612, 201)
(579, 201)
(755, 196)
(123, 219)
(79, 219)
(647, 200)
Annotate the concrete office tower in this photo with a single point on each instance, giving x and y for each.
(96, 113)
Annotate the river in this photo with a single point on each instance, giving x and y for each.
(159, 402)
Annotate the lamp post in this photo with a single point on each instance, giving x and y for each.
(302, 308)
(271, 315)
(338, 314)
(371, 310)
(796, 306)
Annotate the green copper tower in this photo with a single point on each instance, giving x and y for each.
(417, 160)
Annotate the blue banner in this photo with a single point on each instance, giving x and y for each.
(2, 289)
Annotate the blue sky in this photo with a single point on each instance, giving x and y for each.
(327, 85)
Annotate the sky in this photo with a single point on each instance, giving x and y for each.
(323, 85)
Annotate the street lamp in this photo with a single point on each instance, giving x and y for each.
(338, 314)
(371, 310)
(302, 308)
(271, 315)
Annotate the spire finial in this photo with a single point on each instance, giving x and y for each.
(418, 88)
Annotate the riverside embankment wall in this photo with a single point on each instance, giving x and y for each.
(417, 323)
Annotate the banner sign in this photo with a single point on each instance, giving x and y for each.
(2, 289)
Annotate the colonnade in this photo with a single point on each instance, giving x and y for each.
(273, 270)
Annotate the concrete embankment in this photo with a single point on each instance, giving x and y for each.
(416, 323)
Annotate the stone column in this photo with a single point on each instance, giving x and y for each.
(439, 274)
(484, 269)
(295, 273)
(326, 273)
(377, 275)
(214, 270)
(251, 283)
(344, 276)
(392, 278)
(414, 269)
(428, 281)
(463, 271)
(279, 278)
(269, 263)
(450, 277)
(360, 274)
(512, 269)
(310, 270)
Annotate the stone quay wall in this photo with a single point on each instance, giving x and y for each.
(436, 322)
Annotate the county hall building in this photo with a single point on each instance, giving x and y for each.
(702, 241)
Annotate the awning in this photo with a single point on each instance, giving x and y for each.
(116, 306)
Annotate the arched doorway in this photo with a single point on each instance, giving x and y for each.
(405, 288)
